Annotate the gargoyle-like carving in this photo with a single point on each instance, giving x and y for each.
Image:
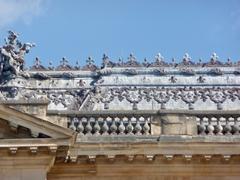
(12, 56)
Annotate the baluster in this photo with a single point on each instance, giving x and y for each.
(121, 127)
(105, 127)
(72, 125)
(88, 128)
(138, 128)
(96, 127)
(146, 127)
(210, 127)
(202, 127)
(113, 127)
(219, 127)
(129, 127)
(80, 128)
(227, 127)
(236, 126)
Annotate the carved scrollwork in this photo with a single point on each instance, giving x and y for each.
(189, 96)
(106, 98)
(162, 96)
(133, 96)
(218, 96)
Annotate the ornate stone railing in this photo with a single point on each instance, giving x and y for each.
(156, 123)
(111, 124)
(218, 124)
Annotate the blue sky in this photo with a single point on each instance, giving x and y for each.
(77, 29)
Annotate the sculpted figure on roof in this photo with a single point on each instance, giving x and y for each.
(12, 55)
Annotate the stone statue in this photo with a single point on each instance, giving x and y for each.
(12, 56)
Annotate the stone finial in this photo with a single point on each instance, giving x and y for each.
(214, 57)
(120, 60)
(90, 61)
(105, 57)
(186, 57)
(159, 58)
(64, 62)
(229, 61)
(77, 66)
(132, 58)
(105, 60)
(37, 62)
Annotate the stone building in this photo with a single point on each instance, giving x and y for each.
(125, 120)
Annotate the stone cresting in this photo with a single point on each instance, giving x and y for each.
(130, 85)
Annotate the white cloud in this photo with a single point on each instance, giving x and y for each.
(19, 10)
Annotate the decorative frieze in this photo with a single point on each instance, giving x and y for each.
(162, 96)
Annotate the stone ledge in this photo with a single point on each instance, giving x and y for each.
(162, 138)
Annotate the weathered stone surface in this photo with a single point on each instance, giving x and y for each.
(178, 124)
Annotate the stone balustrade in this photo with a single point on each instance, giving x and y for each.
(111, 125)
(156, 123)
(215, 124)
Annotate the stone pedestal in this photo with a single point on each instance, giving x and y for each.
(174, 124)
(178, 124)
